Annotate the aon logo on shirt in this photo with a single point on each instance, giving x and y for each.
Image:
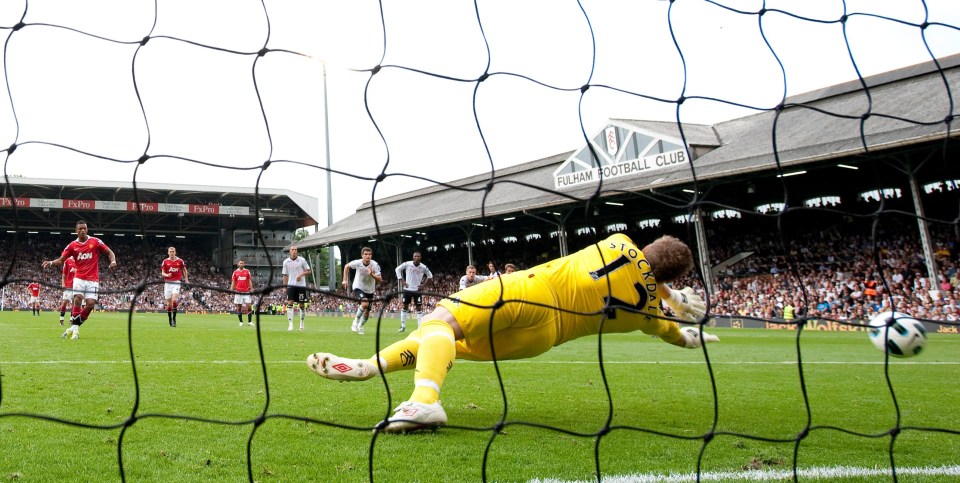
(84, 256)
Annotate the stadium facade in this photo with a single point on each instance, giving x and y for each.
(850, 147)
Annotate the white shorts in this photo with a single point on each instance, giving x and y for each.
(170, 288)
(34, 300)
(67, 295)
(242, 299)
(86, 288)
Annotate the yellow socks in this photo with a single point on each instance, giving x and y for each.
(431, 350)
(434, 360)
(400, 355)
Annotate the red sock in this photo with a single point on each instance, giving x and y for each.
(85, 313)
(74, 311)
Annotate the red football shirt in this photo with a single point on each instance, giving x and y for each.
(87, 255)
(34, 289)
(174, 268)
(241, 280)
(69, 271)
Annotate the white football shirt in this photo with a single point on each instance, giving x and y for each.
(466, 282)
(364, 280)
(413, 274)
(293, 268)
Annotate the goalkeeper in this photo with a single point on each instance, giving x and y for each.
(611, 286)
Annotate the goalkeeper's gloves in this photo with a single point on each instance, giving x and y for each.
(686, 304)
(692, 339)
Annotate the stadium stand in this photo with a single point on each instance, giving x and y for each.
(736, 171)
(836, 271)
(210, 226)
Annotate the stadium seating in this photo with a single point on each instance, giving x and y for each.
(828, 275)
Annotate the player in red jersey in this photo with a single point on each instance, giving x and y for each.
(86, 251)
(34, 289)
(66, 281)
(174, 272)
(241, 283)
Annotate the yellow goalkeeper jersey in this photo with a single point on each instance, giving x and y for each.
(613, 270)
(562, 300)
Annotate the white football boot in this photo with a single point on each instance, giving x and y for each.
(337, 368)
(412, 416)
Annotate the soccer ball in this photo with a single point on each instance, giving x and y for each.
(904, 337)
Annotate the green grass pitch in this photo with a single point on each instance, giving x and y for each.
(194, 394)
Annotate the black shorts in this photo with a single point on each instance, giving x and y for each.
(415, 297)
(297, 294)
(360, 294)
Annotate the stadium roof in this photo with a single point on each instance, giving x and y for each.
(898, 110)
(56, 204)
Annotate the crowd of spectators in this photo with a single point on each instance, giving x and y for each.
(837, 275)
(830, 274)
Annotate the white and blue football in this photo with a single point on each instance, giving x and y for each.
(900, 334)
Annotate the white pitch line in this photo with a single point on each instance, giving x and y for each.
(715, 363)
(832, 473)
(718, 363)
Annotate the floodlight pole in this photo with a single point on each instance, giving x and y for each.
(703, 253)
(933, 275)
(332, 275)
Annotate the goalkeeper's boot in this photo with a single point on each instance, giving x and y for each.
(340, 368)
(413, 416)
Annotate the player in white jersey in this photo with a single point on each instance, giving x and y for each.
(295, 271)
(364, 285)
(412, 275)
(471, 278)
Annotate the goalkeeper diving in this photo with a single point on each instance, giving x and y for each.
(611, 286)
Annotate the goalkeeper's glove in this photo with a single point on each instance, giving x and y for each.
(692, 339)
(686, 304)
